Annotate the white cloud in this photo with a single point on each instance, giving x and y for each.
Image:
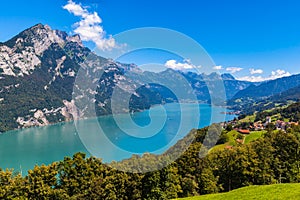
(279, 73)
(252, 78)
(218, 67)
(89, 27)
(274, 75)
(256, 71)
(234, 69)
(173, 64)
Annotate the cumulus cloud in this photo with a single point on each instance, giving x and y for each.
(279, 73)
(173, 64)
(274, 75)
(219, 67)
(256, 71)
(89, 27)
(234, 69)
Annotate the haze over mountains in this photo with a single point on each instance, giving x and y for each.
(38, 69)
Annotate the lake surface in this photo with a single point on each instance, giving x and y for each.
(108, 137)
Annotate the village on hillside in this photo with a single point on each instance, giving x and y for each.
(242, 131)
(247, 127)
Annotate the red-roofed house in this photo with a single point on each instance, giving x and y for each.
(244, 131)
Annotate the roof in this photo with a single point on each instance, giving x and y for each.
(244, 131)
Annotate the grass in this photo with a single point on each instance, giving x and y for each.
(268, 192)
(218, 148)
(254, 135)
(276, 117)
(232, 135)
(249, 118)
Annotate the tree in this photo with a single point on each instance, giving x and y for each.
(41, 181)
(151, 186)
(11, 186)
(189, 186)
(229, 128)
(170, 182)
(208, 182)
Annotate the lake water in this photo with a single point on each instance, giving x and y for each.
(108, 137)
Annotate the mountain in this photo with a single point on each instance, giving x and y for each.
(277, 100)
(292, 94)
(227, 77)
(289, 113)
(267, 95)
(199, 83)
(36, 76)
(47, 76)
(269, 88)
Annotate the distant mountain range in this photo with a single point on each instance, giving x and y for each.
(269, 88)
(267, 95)
(199, 84)
(38, 70)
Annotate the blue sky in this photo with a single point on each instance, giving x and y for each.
(260, 35)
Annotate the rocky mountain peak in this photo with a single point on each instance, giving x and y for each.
(41, 37)
(76, 39)
(21, 55)
(227, 76)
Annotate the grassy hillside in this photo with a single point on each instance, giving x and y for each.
(232, 136)
(279, 191)
(232, 139)
(254, 135)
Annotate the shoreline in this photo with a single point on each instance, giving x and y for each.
(108, 115)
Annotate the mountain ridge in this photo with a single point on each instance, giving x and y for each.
(38, 70)
(266, 95)
(269, 88)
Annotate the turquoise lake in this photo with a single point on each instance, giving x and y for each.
(153, 131)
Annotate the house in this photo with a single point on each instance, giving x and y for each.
(280, 124)
(268, 120)
(294, 123)
(258, 126)
(244, 131)
(228, 147)
(240, 141)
